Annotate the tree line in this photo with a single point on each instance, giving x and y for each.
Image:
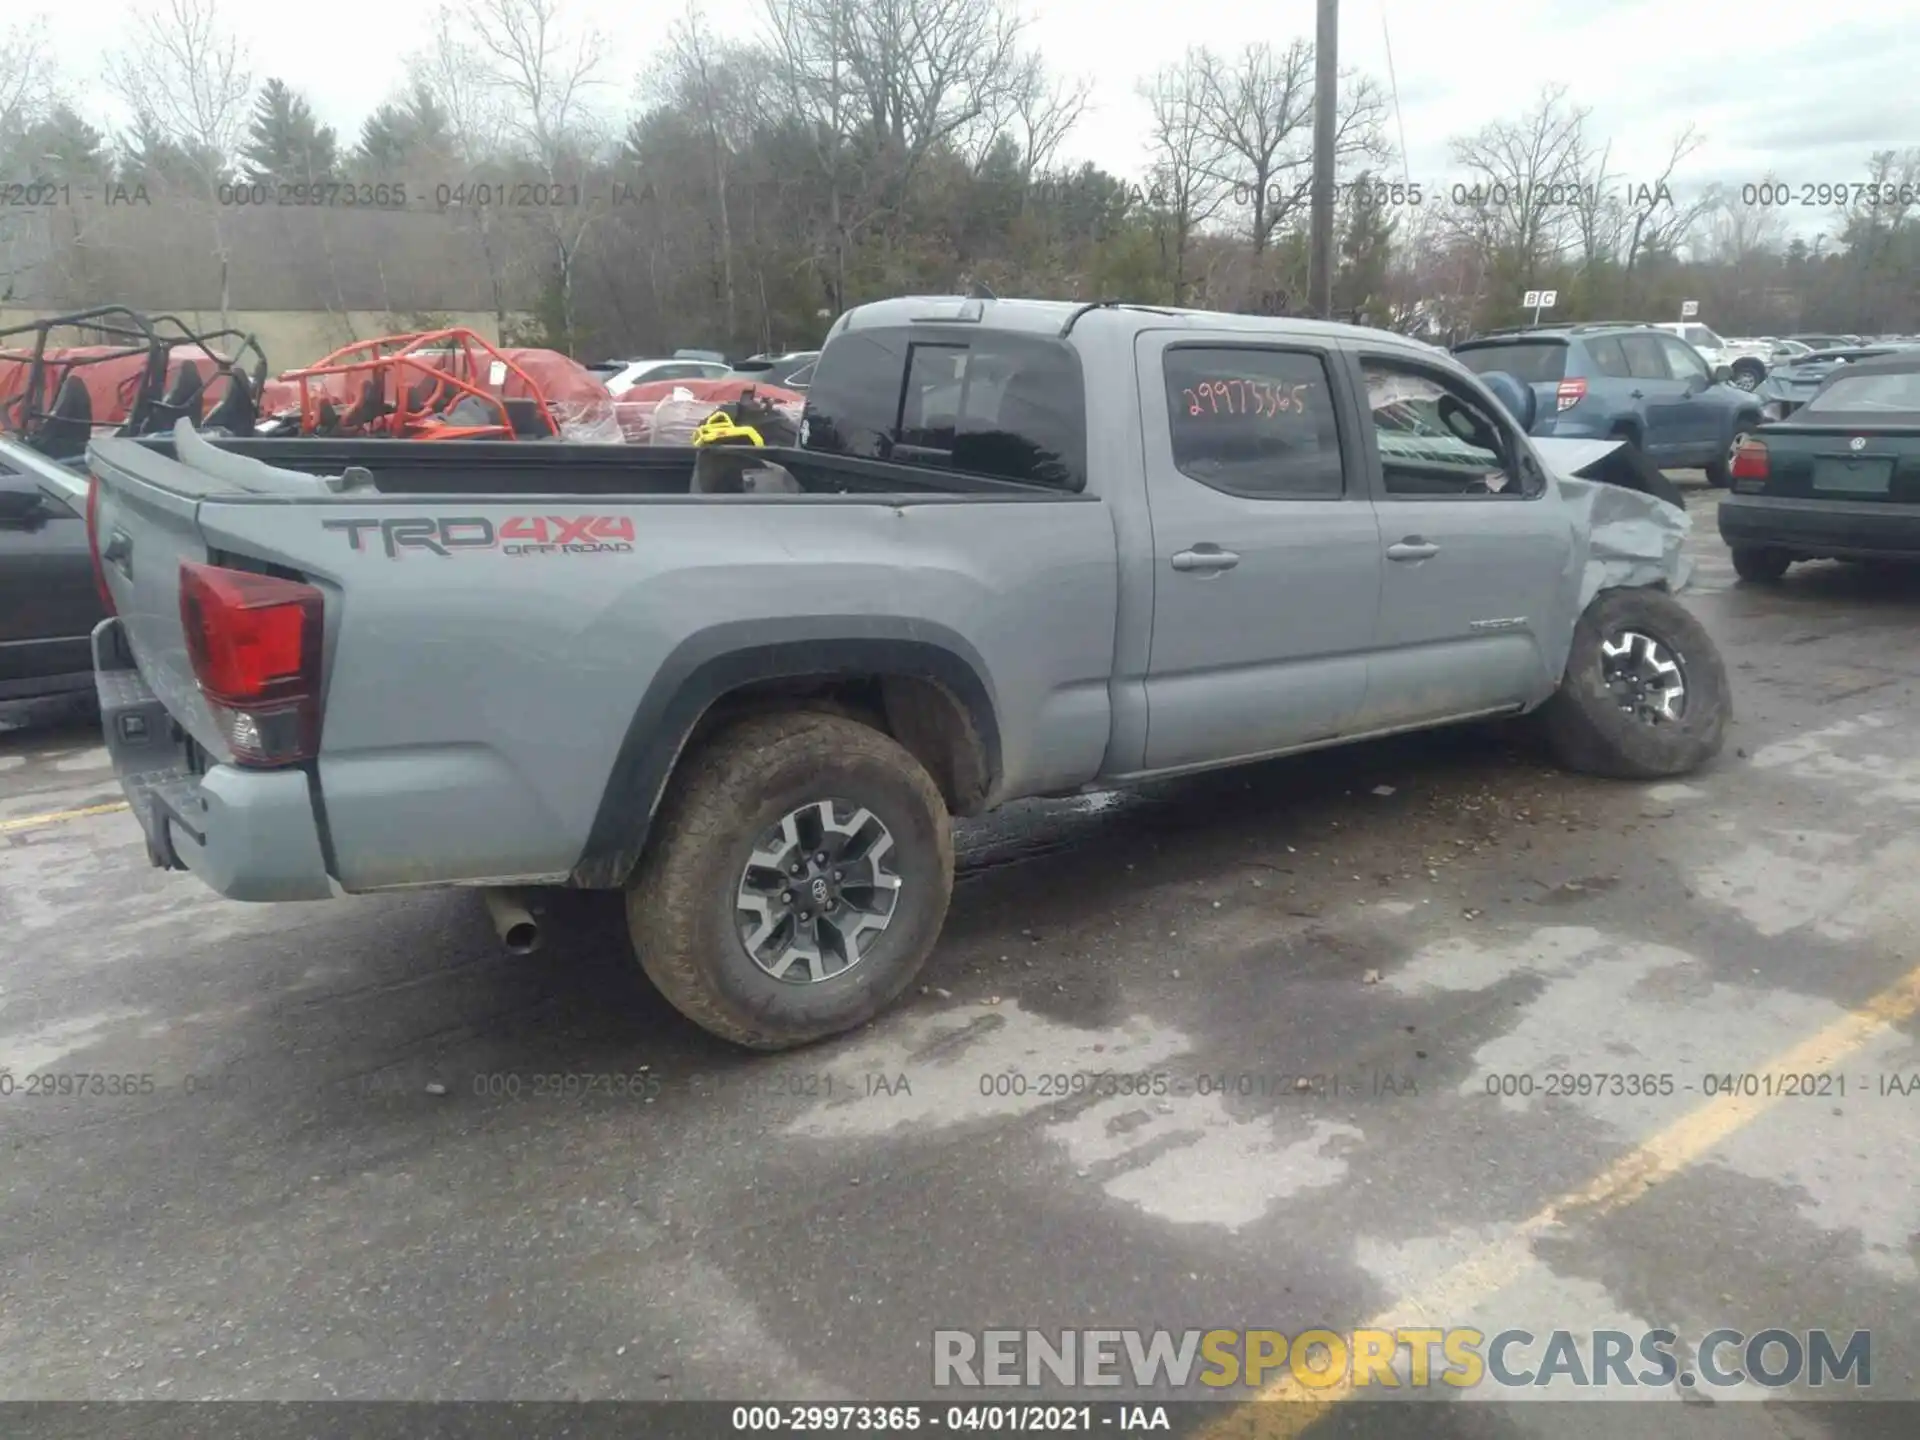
(747, 189)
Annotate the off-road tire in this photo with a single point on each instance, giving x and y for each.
(1583, 723)
(680, 900)
(1760, 564)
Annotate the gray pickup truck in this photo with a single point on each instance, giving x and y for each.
(1022, 549)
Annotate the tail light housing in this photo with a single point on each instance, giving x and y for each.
(93, 543)
(1750, 467)
(255, 645)
(1568, 394)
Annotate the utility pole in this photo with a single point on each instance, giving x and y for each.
(1326, 81)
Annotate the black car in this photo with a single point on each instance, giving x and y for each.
(49, 600)
(791, 371)
(1839, 479)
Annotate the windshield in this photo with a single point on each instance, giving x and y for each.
(1857, 393)
(1702, 336)
(1532, 361)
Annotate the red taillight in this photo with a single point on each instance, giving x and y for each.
(93, 543)
(1749, 460)
(255, 645)
(1569, 394)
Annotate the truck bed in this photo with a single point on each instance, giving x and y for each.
(494, 467)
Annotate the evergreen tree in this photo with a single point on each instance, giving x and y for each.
(1365, 251)
(400, 131)
(285, 143)
(62, 146)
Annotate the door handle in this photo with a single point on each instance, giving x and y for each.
(1637, 394)
(1412, 548)
(118, 553)
(1207, 559)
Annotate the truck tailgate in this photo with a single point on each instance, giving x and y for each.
(147, 523)
(145, 530)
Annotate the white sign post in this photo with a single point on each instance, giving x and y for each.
(1689, 309)
(1538, 300)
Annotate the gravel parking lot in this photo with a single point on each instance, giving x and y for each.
(352, 1149)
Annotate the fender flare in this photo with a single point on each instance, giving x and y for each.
(718, 661)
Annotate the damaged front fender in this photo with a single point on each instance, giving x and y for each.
(1632, 537)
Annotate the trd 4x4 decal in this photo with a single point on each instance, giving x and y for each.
(516, 535)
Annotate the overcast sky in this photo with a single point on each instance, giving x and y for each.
(1806, 93)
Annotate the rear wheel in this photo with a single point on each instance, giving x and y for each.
(799, 880)
(1645, 694)
(1760, 564)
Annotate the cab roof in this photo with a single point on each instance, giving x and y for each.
(1107, 319)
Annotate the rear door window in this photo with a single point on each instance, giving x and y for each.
(1645, 359)
(1253, 422)
(1534, 362)
(1011, 407)
(1684, 362)
(1607, 356)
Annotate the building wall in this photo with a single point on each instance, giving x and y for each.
(292, 338)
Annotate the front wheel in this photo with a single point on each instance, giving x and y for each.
(799, 878)
(1747, 374)
(1645, 694)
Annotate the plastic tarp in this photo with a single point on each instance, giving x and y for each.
(578, 398)
(667, 412)
(1633, 539)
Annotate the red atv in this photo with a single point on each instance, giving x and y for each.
(441, 385)
(134, 374)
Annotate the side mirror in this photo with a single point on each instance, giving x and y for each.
(1516, 396)
(1722, 373)
(21, 503)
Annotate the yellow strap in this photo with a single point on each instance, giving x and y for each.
(717, 427)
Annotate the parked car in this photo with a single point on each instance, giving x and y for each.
(1633, 383)
(791, 371)
(1746, 360)
(337, 667)
(626, 374)
(1826, 342)
(49, 602)
(1839, 479)
(1791, 385)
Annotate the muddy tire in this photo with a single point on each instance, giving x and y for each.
(1645, 694)
(1760, 564)
(715, 906)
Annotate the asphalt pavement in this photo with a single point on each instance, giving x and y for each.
(353, 1150)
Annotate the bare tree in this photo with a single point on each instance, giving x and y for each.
(28, 77)
(1185, 188)
(1257, 111)
(879, 85)
(182, 75)
(1522, 185)
(1658, 222)
(699, 83)
(544, 74)
(1738, 233)
(1042, 110)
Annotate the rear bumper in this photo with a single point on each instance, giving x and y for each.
(1822, 529)
(248, 834)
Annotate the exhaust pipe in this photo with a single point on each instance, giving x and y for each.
(513, 920)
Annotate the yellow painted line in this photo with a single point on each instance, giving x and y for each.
(54, 817)
(1496, 1266)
